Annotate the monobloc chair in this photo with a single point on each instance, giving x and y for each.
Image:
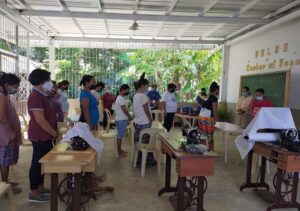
(156, 114)
(6, 189)
(152, 146)
(24, 130)
(110, 119)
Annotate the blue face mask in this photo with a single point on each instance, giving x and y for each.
(245, 94)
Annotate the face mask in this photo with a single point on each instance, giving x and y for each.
(245, 94)
(12, 91)
(47, 86)
(259, 98)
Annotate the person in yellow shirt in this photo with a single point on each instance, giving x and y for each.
(243, 107)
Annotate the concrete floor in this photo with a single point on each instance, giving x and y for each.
(134, 193)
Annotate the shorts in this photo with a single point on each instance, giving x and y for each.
(9, 155)
(121, 128)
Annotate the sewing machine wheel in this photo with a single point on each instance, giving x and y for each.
(191, 185)
(287, 184)
(65, 189)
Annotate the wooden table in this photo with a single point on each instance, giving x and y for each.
(225, 127)
(287, 162)
(187, 165)
(58, 160)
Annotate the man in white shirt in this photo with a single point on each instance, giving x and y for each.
(122, 118)
(170, 106)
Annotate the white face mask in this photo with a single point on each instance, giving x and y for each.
(47, 86)
(259, 98)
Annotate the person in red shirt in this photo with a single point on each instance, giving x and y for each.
(108, 99)
(259, 102)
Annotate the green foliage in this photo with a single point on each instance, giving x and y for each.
(190, 70)
(39, 54)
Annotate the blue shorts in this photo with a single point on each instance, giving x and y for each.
(121, 128)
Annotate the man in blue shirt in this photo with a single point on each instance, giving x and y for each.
(154, 97)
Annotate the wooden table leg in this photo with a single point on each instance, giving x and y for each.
(200, 194)
(54, 192)
(180, 193)
(167, 187)
(248, 183)
(76, 198)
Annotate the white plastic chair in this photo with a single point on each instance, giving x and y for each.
(152, 146)
(156, 114)
(6, 189)
(24, 131)
(110, 120)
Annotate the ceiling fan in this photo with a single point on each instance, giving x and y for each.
(135, 26)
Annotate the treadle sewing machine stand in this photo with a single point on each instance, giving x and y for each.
(288, 167)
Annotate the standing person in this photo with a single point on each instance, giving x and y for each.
(97, 89)
(41, 132)
(108, 98)
(243, 107)
(200, 99)
(259, 101)
(154, 97)
(10, 127)
(169, 106)
(63, 87)
(54, 98)
(208, 114)
(122, 117)
(141, 110)
(88, 103)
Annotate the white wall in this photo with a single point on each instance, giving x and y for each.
(243, 60)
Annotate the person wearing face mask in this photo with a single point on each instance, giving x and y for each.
(96, 89)
(62, 89)
(169, 106)
(10, 127)
(107, 99)
(200, 99)
(208, 114)
(88, 103)
(54, 97)
(141, 109)
(243, 106)
(42, 131)
(122, 118)
(259, 102)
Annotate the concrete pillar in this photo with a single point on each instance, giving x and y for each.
(224, 80)
(52, 60)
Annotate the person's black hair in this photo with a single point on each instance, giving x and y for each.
(8, 78)
(85, 79)
(98, 84)
(135, 84)
(62, 83)
(247, 88)
(39, 76)
(261, 90)
(171, 86)
(142, 81)
(214, 86)
(154, 85)
(54, 83)
(124, 87)
(203, 90)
